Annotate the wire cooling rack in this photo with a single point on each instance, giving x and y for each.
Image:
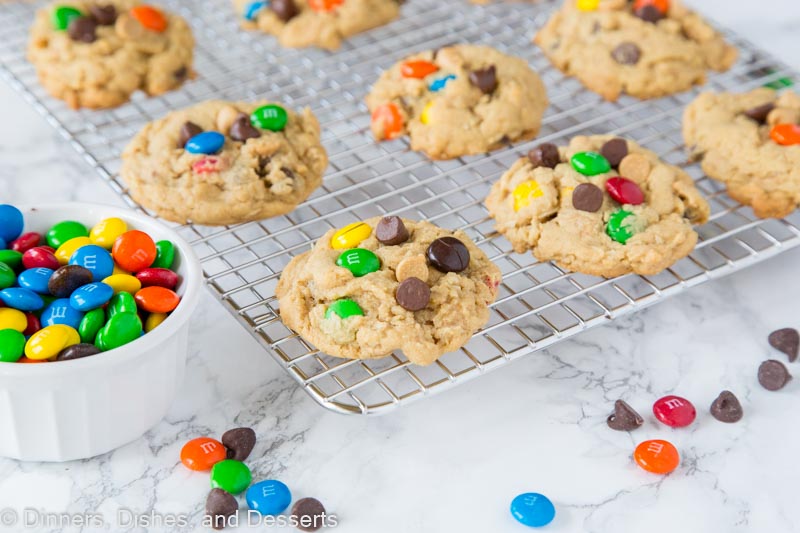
(539, 304)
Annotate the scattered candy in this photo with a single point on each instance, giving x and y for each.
(68, 278)
(309, 514)
(545, 155)
(726, 408)
(484, 79)
(772, 375)
(63, 15)
(388, 117)
(786, 340)
(624, 191)
(268, 497)
(269, 117)
(525, 192)
(674, 411)
(619, 227)
(90, 297)
(413, 294)
(359, 262)
(232, 476)
(624, 417)
(590, 163)
(344, 308)
(64, 231)
(391, 231)
(350, 236)
(657, 456)
(533, 509)
(239, 442)
(418, 68)
(49, 341)
(150, 18)
(220, 506)
(614, 151)
(785, 134)
(207, 142)
(448, 254)
(202, 453)
(587, 197)
(77, 351)
(440, 83)
(12, 345)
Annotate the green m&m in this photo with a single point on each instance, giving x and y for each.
(90, 324)
(12, 345)
(11, 258)
(165, 255)
(7, 276)
(590, 163)
(64, 231)
(121, 302)
(344, 308)
(621, 226)
(359, 261)
(230, 476)
(120, 329)
(269, 117)
(62, 16)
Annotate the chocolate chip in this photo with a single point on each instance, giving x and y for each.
(68, 278)
(391, 231)
(239, 442)
(626, 53)
(104, 15)
(624, 417)
(773, 375)
(649, 13)
(587, 197)
(726, 408)
(220, 506)
(284, 9)
(759, 114)
(188, 130)
(288, 172)
(181, 73)
(413, 294)
(82, 29)
(448, 254)
(786, 340)
(545, 155)
(615, 151)
(309, 514)
(242, 129)
(76, 351)
(484, 79)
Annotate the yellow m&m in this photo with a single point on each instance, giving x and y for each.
(424, 116)
(13, 319)
(588, 5)
(123, 283)
(66, 250)
(105, 232)
(153, 321)
(350, 236)
(48, 342)
(525, 192)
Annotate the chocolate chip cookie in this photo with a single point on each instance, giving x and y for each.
(225, 162)
(388, 284)
(458, 100)
(645, 48)
(96, 54)
(750, 142)
(321, 23)
(602, 206)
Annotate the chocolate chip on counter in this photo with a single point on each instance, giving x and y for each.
(239, 442)
(448, 254)
(773, 375)
(760, 113)
(82, 29)
(626, 53)
(786, 340)
(726, 408)
(587, 197)
(284, 9)
(309, 513)
(242, 129)
(545, 155)
(413, 294)
(615, 151)
(391, 231)
(624, 417)
(649, 13)
(484, 79)
(104, 15)
(188, 130)
(220, 506)
(68, 278)
(76, 351)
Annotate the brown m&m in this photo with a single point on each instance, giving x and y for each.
(448, 254)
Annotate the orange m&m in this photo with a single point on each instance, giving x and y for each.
(661, 5)
(417, 69)
(150, 17)
(388, 120)
(785, 134)
(202, 453)
(134, 250)
(657, 456)
(324, 5)
(157, 299)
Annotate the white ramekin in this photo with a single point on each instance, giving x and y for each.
(86, 407)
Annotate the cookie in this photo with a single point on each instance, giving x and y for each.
(458, 100)
(578, 210)
(388, 284)
(645, 48)
(225, 162)
(96, 54)
(321, 23)
(746, 141)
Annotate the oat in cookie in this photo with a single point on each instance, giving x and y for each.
(96, 54)
(458, 100)
(321, 23)
(345, 295)
(646, 48)
(591, 217)
(225, 162)
(751, 142)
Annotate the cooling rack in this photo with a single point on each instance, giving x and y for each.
(539, 304)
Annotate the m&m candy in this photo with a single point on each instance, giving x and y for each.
(150, 17)
(533, 509)
(674, 411)
(417, 69)
(785, 134)
(350, 236)
(230, 476)
(202, 453)
(268, 497)
(590, 163)
(387, 121)
(657, 456)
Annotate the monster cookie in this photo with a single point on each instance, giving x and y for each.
(97, 53)
(601, 206)
(224, 163)
(388, 284)
(750, 142)
(322, 23)
(645, 48)
(458, 100)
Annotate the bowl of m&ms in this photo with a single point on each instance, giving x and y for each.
(95, 303)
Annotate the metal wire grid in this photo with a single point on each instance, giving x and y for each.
(539, 304)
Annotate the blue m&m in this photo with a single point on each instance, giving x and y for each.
(208, 143)
(11, 223)
(533, 509)
(268, 497)
(91, 296)
(95, 259)
(35, 279)
(21, 299)
(440, 83)
(252, 9)
(61, 312)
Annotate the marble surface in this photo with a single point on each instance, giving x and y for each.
(455, 461)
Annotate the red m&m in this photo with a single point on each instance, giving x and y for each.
(417, 69)
(674, 411)
(624, 191)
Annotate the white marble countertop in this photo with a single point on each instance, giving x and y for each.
(454, 462)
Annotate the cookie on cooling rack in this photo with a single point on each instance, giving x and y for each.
(645, 48)
(321, 23)
(96, 54)
(750, 142)
(602, 206)
(225, 162)
(388, 284)
(458, 100)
